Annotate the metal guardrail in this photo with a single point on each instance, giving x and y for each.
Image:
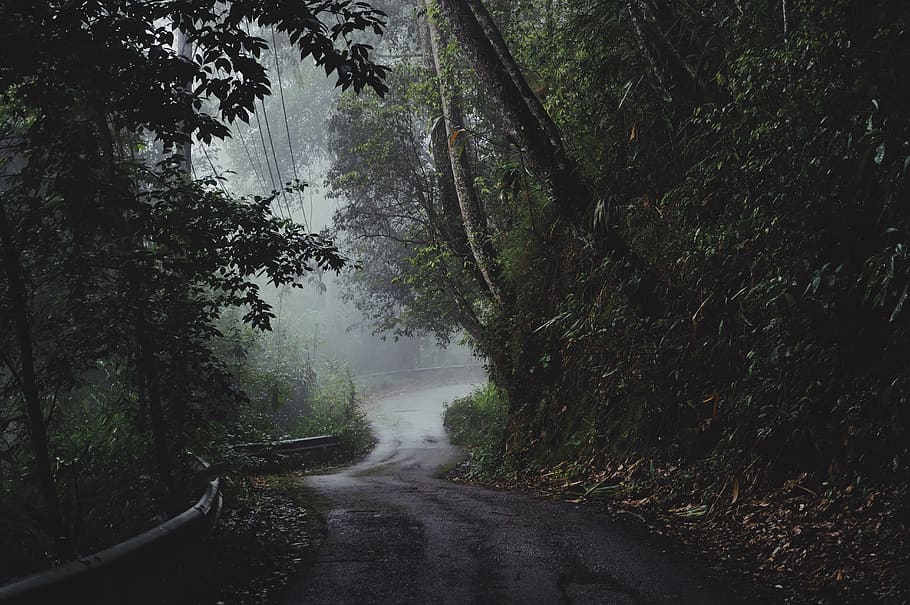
(291, 446)
(77, 581)
(66, 583)
(421, 370)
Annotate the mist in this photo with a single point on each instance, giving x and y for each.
(286, 140)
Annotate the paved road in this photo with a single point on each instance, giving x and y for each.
(396, 534)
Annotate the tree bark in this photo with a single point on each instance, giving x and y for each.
(459, 154)
(452, 228)
(29, 380)
(494, 35)
(541, 141)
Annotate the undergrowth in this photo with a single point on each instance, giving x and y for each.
(477, 422)
(334, 409)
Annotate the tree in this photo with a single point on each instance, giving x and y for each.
(28, 382)
(541, 141)
(459, 154)
(772, 208)
(126, 253)
(406, 225)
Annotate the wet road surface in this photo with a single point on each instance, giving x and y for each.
(396, 534)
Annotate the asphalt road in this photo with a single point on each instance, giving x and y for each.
(396, 534)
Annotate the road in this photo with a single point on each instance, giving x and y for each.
(397, 534)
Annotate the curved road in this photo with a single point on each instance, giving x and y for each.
(396, 534)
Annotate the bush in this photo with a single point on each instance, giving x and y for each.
(334, 410)
(477, 422)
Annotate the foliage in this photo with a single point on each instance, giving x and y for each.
(117, 265)
(289, 395)
(775, 342)
(759, 170)
(404, 285)
(477, 422)
(100, 464)
(335, 410)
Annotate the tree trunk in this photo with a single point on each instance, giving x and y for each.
(149, 387)
(452, 228)
(531, 124)
(472, 215)
(544, 122)
(28, 380)
(465, 313)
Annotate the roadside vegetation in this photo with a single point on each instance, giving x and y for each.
(678, 234)
(132, 286)
(108, 493)
(477, 423)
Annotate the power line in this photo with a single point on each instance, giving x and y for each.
(279, 186)
(287, 127)
(212, 166)
(268, 130)
(256, 171)
(265, 150)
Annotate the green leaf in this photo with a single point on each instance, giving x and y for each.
(879, 154)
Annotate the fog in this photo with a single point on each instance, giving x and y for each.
(317, 318)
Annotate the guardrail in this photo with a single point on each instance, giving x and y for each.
(420, 370)
(290, 446)
(78, 581)
(67, 582)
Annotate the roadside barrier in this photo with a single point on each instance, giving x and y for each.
(468, 367)
(83, 577)
(290, 446)
(87, 578)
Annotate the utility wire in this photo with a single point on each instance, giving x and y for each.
(256, 171)
(212, 166)
(265, 150)
(268, 130)
(277, 182)
(287, 127)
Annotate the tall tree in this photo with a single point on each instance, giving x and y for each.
(540, 139)
(459, 153)
(122, 239)
(28, 380)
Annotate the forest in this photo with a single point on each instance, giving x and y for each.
(677, 234)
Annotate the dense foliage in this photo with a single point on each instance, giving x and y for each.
(678, 233)
(117, 263)
(477, 423)
(753, 156)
